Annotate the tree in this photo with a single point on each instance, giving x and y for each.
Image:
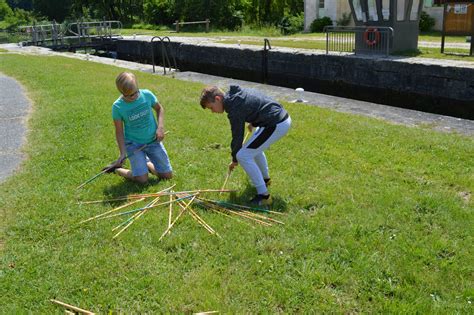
(21, 4)
(53, 10)
(5, 10)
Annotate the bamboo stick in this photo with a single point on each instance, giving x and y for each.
(136, 217)
(109, 168)
(238, 213)
(196, 218)
(72, 307)
(249, 217)
(200, 220)
(171, 211)
(126, 221)
(224, 211)
(113, 210)
(176, 219)
(263, 217)
(141, 209)
(241, 206)
(156, 195)
(225, 181)
(136, 196)
(246, 136)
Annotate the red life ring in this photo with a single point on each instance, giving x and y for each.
(376, 38)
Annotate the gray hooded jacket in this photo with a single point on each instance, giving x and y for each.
(247, 105)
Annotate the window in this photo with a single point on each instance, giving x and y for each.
(373, 11)
(386, 9)
(401, 10)
(358, 11)
(414, 10)
(321, 4)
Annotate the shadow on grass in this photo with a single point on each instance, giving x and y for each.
(243, 198)
(127, 187)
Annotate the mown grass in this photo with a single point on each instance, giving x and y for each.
(379, 217)
(435, 36)
(435, 53)
(269, 32)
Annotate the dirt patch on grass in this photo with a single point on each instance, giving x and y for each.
(465, 196)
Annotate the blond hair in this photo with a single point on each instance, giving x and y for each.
(126, 83)
(208, 95)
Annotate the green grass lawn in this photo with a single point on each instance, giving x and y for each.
(436, 37)
(423, 52)
(379, 217)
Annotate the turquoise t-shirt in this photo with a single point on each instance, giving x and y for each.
(137, 116)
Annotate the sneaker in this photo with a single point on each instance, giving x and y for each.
(268, 181)
(261, 200)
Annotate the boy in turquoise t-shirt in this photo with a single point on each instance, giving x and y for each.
(137, 132)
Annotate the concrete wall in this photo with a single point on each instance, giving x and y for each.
(437, 14)
(310, 13)
(440, 88)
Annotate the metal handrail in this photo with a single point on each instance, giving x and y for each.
(266, 48)
(103, 28)
(359, 39)
(39, 33)
(164, 54)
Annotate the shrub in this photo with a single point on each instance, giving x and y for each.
(344, 20)
(426, 22)
(319, 24)
(291, 24)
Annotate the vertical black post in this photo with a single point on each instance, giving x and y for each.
(443, 32)
(472, 38)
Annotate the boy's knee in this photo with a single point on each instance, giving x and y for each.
(243, 155)
(168, 175)
(143, 179)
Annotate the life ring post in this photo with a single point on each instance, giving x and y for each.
(371, 36)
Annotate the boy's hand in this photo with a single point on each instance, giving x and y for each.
(232, 165)
(160, 134)
(111, 167)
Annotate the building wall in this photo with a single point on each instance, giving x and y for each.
(336, 8)
(437, 14)
(310, 13)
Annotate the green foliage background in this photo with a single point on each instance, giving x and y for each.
(229, 14)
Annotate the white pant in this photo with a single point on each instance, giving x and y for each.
(251, 156)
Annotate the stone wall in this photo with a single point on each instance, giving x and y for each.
(438, 87)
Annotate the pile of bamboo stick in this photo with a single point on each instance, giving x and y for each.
(185, 202)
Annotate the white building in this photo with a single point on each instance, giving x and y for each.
(314, 9)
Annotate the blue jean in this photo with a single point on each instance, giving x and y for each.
(154, 151)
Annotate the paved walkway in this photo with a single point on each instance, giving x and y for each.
(14, 107)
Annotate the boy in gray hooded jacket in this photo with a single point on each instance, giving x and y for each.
(269, 118)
